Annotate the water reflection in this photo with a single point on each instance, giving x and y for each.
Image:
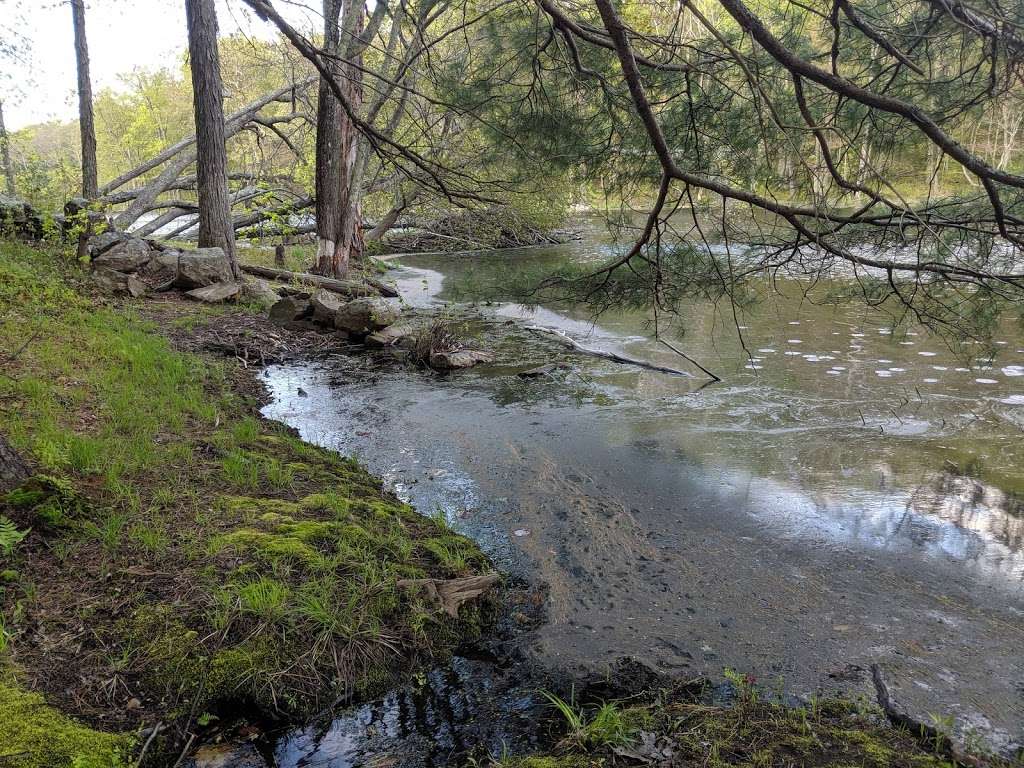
(469, 705)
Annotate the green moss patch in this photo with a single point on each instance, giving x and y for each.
(34, 735)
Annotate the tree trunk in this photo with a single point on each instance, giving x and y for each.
(339, 238)
(14, 470)
(90, 182)
(5, 154)
(215, 226)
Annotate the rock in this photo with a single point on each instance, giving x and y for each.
(126, 256)
(289, 309)
(103, 242)
(259, 292)
(391, 336)
(118, 282)
(162, 262)
(366, 315)
(325, 306)
(461, 358)
(215, 293)
(540, 370)
(243, 755)
(19, 218)
(203, 266)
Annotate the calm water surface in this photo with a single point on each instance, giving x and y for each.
(846, 496)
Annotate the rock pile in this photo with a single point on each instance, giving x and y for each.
(122, 263)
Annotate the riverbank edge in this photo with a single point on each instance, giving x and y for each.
(176, 562)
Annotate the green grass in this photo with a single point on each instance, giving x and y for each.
(751, 732)
(212, 558)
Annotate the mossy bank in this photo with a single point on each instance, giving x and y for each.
(176, 559)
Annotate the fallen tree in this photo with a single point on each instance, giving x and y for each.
(346, 287)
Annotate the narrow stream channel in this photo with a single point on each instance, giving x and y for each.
(845, 497)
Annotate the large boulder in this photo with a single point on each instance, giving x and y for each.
(290, 309)
(203, 266)
(118, 282)
(215, 293)
(461, 358)
(325, 306)
(258, 292)
(129, 255)
(365, 315)
(103, 242)
(163, 264)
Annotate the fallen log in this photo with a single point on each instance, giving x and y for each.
(566, 341)
(345, 287)
(450, 594)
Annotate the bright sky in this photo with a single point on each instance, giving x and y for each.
(122, 34)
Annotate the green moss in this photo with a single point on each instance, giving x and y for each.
(284, 590)
(35, 735)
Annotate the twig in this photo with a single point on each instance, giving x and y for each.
(573, 344)
(156, 729)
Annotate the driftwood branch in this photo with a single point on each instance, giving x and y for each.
(344, 287)
(450, 594)
(570, 343)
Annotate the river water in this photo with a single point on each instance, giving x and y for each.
(847, 495)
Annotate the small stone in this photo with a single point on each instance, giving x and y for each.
(215, 293)
(289, 309)
(462, 358)
(258, 292)
(390, 336)
(244, 755)
(118, 282)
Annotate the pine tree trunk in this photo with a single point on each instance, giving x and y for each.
(5, 154)
(339, 238)
(215, 225)
(90, 182)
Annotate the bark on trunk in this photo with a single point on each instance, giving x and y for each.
(215, 226)
(5, 154)
(339, 238)
(90, 182)
(14, 470)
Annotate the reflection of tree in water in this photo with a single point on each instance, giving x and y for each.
(973, 505)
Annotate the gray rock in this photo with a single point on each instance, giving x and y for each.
(19, 218)
(290, 309)
(325, 306)
(259, 292)
(365, 315)
(163, 262)
(393, 335)
(126, 256)
(103, 242)
(243, 755)
(203, 266)
(118, 282)
(215, 293)
(462, 358)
